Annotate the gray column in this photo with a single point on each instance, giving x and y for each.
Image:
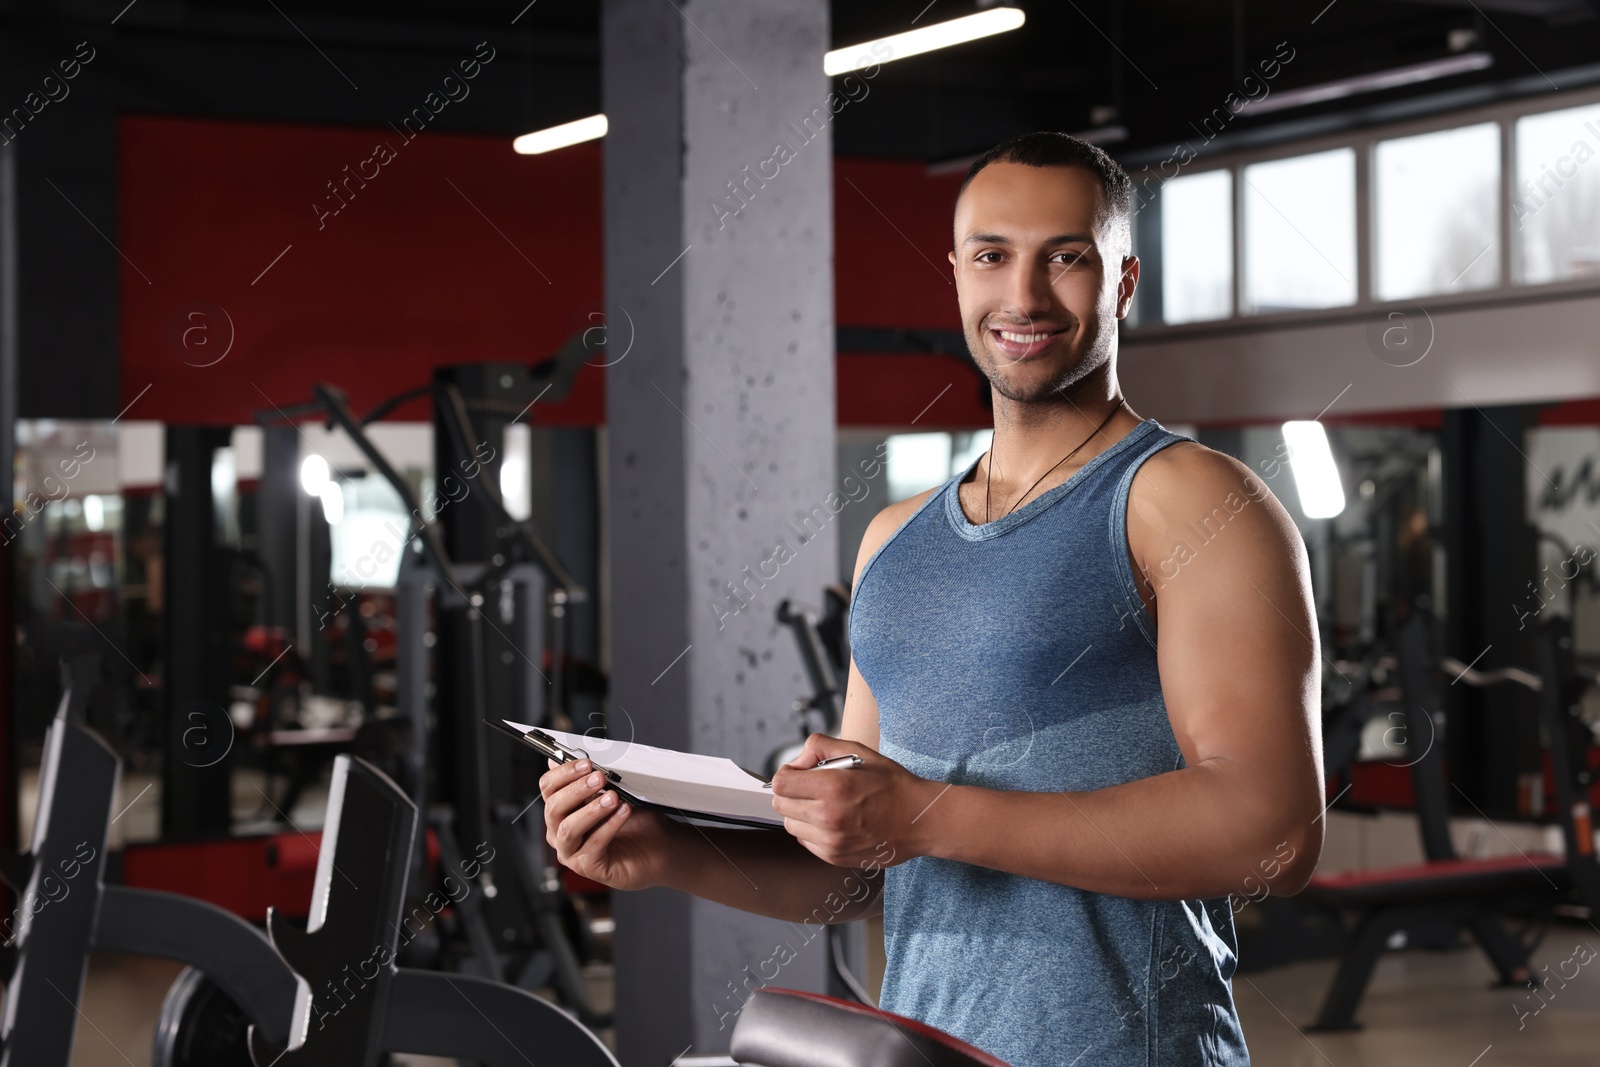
(721, 440)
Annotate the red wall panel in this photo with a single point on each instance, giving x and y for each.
(456, 250)
(892, 228)
(446, 248)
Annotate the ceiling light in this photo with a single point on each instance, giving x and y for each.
(927, 39)
(1375, 82)
(568, 133)
(1315, 474)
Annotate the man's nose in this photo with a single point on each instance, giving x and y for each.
(1028, 289)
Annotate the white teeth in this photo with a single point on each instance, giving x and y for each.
(1023, 338)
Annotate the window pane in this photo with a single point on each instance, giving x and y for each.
(1436, 214)
(1300, 232)
(917, 461)
(1556, 207)
(1197, 247)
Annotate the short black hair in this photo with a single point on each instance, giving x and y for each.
(1049, 149)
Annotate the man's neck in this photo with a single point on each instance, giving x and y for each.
(1029, 437)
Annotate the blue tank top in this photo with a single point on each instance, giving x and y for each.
(1018, 655)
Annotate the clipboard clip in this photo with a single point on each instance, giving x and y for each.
(554, 749)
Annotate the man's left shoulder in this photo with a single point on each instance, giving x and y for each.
(1187, 486)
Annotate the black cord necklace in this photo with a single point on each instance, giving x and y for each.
(989, 469)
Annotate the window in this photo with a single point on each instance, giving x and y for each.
(369, 536)
(1300, 232)
(918, 461)
(1435, 212)
(1555, 207)
(1197, 247)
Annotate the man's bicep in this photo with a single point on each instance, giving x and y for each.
(1237, 634)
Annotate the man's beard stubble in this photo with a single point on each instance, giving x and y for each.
(1055, 391)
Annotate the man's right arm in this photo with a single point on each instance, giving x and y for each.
(767, 872)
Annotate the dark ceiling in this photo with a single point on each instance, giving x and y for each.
(1154, 67)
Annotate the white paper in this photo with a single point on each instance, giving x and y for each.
(687, 781)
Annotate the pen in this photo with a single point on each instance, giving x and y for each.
(847, 762)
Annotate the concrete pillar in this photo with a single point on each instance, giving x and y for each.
(720, 419)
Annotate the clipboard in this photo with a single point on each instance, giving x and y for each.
(552, 748)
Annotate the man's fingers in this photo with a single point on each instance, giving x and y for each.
(595, 845)
(790, 784)
(560, 805)
(574, 793)
(811, 784)
(798, 808)
(561, 774)
(813, 751)
(806, 833)
(819, 747)
(570, 835)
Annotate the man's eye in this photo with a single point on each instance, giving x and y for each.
(983, 256)
(1069, 259)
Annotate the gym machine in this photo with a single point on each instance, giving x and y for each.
(327, 995)
(824, 649)
(495, 590)
(824, 646)
(1467, 893)
(332, 993)
(67, 911)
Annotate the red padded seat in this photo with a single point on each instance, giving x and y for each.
(788, 1028)
(1439, 880)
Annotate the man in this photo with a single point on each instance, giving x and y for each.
(1084, 684)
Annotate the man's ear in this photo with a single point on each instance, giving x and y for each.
(1126, 285)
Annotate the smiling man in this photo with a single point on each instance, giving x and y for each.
(1083, 683)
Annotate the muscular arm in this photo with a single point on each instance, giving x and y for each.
(767, 872)
(1237, 653)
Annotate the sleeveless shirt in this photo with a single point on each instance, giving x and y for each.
(1018, 655)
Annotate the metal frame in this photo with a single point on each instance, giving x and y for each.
(45, 968)
(293, 989)
(490, 620)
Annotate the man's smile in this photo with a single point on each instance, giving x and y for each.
(1025, 342)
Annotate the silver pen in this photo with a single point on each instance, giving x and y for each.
(847, 762)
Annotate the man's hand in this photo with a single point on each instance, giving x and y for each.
(598, 836)
(847, 816)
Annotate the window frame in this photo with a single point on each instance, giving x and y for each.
(1507, 291)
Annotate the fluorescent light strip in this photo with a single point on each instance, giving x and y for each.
(1369, 83)
(1316, 476)
(568, 133)
(927, 39)
(839, 61)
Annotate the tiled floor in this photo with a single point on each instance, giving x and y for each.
(1431, 1008)
(1424, 1008)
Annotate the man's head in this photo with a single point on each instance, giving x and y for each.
(1043, 262)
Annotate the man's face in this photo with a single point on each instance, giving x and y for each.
(1041, 276)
